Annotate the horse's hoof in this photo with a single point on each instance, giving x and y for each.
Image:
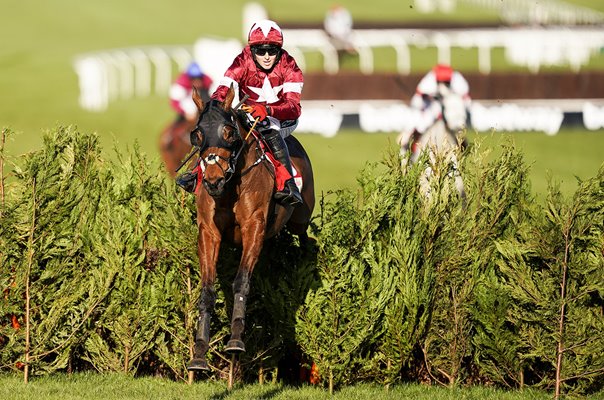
(235, 346)
(198, 364)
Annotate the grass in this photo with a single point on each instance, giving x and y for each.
(572, 154)
(117, 386)
(40, 89)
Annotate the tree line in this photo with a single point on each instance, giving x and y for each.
(98, 271)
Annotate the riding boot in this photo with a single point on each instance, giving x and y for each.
(187, 181)
(290, 195)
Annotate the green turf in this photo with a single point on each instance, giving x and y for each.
(120, 387)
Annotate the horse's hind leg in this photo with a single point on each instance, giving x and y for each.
(202, 337)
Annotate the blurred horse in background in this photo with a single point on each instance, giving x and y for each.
(175, 143)
(442, 143)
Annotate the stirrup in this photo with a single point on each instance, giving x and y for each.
(187, 181)
(288, 196)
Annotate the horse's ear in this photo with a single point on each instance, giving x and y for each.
(228, 100)
(197, 99)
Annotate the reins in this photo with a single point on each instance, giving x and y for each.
(261, 157)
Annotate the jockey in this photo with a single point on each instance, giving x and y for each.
(181, 90)
(338, 25)
(427, 99)
(273, 81)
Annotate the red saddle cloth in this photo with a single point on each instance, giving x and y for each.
(281, 173)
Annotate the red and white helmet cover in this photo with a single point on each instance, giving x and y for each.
(443, 72)
(265, 32)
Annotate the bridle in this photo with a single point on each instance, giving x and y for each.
(210, 129)
(210, 126)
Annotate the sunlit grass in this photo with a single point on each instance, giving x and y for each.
(92, 386)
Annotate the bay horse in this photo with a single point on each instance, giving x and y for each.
(175, 144)
(441, 142)
(234, 202)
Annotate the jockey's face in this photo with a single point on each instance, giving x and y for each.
(266, 57)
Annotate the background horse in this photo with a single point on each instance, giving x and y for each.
(175, 144)
(234, 201)
(441, 142)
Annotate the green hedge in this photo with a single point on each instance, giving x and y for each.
(98, 271)
(504, 291)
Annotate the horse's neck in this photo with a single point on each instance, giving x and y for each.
(251, 158)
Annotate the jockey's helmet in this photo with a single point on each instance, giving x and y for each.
(265, 32)
(443, 72)
(194, 70)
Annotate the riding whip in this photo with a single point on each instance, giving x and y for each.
(245, 97)
(191, 154)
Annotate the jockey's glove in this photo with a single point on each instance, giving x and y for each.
(259, 111)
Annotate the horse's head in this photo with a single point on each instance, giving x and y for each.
(218, 131)
(454, 109)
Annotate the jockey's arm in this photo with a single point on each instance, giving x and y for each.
(177, 94)
(189, 109)
(288, 107)
(232, 76)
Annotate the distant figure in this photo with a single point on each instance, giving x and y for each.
(181, 90)
(174, 142)
(428, 100)
(338, 25)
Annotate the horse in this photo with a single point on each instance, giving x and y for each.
(234, 202)
(174, 143)
(441, 142)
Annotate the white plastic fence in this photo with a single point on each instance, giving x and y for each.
(547, 12)
(531, 47)
(122, 73)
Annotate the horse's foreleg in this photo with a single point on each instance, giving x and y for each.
(252, 246)
(202, 337)
(207, 248)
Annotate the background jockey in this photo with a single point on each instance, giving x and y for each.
(427, 99)
(338, 25)
(181, 91)
(273, 80)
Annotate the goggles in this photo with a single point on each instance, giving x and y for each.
(263, 50)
